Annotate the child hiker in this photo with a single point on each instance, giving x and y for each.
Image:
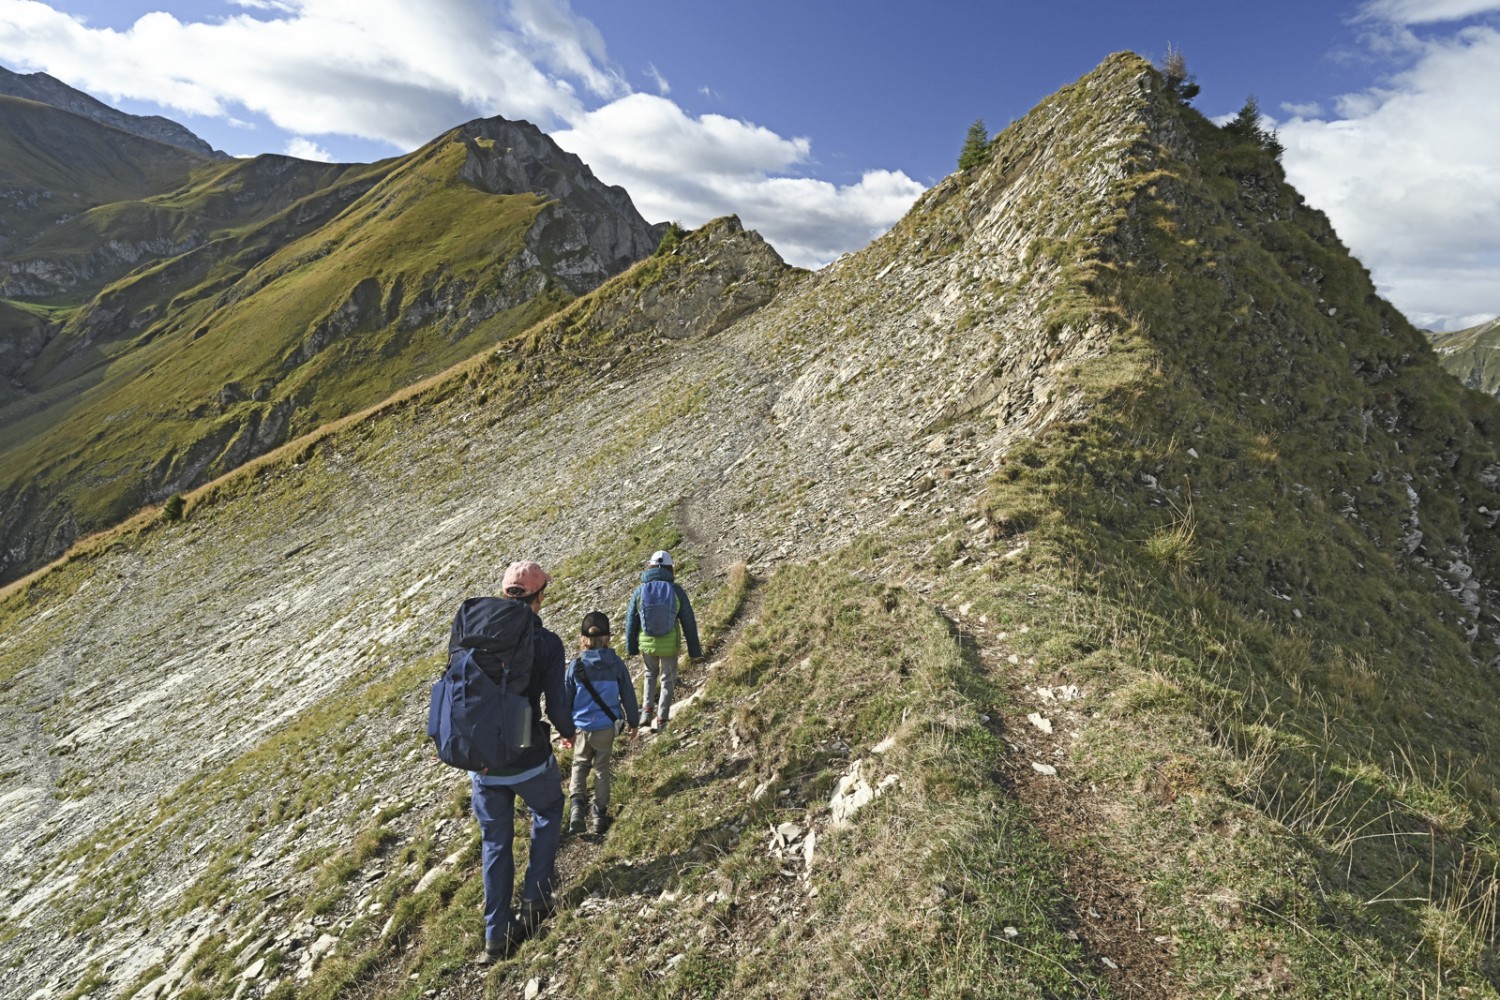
(658, 622)
(598, 685)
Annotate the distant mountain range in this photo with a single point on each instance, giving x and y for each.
(1473, 355)
(44, 89)
(167, 313)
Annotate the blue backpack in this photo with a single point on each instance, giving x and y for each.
(479, 717)
(658, 607)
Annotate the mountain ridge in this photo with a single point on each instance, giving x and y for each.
(45, 89)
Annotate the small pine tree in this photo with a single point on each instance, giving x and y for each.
(1270, 141)
(976, 146)
(174, 508)
(1247, 125)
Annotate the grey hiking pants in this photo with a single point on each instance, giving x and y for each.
(664, 669)
(594, 749)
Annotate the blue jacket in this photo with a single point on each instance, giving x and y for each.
(687, 625)
(607, 672)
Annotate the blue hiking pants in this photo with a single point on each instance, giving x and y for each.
(495, 808)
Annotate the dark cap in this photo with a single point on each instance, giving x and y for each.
(595, 623)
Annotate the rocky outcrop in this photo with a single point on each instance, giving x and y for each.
(40, 278)
(22, 337)
(591, 230)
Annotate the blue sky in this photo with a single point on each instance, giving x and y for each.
(819, 123)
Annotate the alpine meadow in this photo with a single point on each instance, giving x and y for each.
(1098, 580)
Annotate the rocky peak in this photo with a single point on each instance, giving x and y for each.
(589, 232)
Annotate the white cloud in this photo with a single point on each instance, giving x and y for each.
(1426, 11)
(662, 86)
(569, 44)
(1312, 109)
(379, 69)
(306, 149)
(1410, 176)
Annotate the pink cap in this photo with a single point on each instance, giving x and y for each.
(524, 580)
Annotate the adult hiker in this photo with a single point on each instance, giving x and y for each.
(659, 619)
(534, 777)
(603, 696)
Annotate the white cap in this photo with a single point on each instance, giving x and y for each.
(661, 557)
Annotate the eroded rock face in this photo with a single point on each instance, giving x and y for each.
(36, 277)
(591, 230)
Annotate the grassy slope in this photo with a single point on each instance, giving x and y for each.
(1470, 355)
(219, 200)
(82, 164)
(1279, 669)
(1287, 759)
(420, 231)
(1296, 793)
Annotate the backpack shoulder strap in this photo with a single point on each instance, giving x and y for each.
(583, 678)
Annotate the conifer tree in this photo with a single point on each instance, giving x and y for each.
(976, 146)
(1247, 126)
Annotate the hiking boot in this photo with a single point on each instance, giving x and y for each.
(533, 912)
(647, 714)
(496, 950)
(658, 725)
(600, 822)
(576, 817)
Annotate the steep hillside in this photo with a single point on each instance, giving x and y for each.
(270, 296)
(55, 165)
(46, 89)
(1099, 587)
(1471, 355)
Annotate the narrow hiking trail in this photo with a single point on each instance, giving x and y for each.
(1041, 721)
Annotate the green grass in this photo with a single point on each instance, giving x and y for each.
(1278, 668)
(80, 163)
(802, 707)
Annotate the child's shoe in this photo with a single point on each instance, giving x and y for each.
(601, 821)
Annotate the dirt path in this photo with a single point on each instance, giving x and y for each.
(1105, 912)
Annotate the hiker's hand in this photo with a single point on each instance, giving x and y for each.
(567, 744)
